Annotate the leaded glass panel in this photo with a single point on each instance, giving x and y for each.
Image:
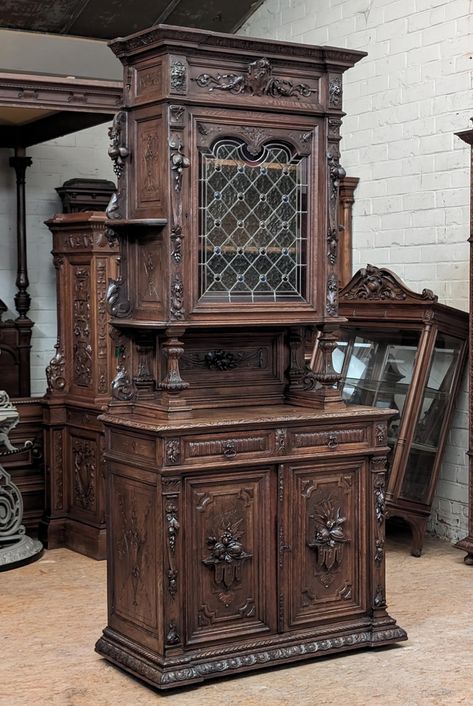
(253, 223)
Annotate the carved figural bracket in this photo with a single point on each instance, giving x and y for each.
(380, 284)
(118, 304)
(56, 370)
(258, 81)
(227, 553)
(329, 537)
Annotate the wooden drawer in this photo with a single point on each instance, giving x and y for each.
(129, 445)
(310, 440)
(224, 447)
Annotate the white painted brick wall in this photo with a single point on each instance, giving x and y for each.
(83, 154)
(403, 103)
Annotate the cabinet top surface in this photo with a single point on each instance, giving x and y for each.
(182, 39)
(249, 416)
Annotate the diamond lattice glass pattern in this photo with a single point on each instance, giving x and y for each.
(253, 223)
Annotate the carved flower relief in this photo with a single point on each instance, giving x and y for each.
(227, 552)
(328, 535)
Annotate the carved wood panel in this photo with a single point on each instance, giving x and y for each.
(323, 533)
(149, 184)
(133, 527)
(229, 555)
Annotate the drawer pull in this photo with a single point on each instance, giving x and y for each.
(229, 449)
(332, 441)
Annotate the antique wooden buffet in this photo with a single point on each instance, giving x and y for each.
(246, 501)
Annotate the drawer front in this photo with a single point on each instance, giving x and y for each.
(327, 438)
(226, 447)
(130, 445)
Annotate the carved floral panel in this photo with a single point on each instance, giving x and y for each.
(325, 546)
(229, 555)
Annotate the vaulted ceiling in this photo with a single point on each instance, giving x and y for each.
(106, 19)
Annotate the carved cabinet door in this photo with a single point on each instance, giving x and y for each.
(322, 542)
(230, 555)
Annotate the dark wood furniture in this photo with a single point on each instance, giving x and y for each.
(406, 351)
(79, 378)
(15, 346)
(245, 499)
(466, 544)
(85, 195)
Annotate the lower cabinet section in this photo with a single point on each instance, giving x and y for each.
(215, 570)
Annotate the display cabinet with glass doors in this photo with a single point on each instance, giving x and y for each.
(404, 351)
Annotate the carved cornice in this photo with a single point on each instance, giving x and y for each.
(374, 284)
(56, 92)
(341, 58)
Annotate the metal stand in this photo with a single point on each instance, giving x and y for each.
(16, 548)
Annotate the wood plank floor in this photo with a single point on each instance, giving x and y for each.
(53, 611)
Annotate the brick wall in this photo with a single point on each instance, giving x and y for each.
(403, 103)
(83, 154)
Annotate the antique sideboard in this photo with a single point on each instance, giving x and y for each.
(246, 500)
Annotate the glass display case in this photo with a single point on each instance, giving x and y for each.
(404, 351)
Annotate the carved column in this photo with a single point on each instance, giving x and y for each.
(345, 207)
(20, 162)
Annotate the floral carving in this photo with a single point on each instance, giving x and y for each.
(173, 451)
(84, 453)
(258, 81)
(281, 440)
(380, 434)
(176, 238)
(329, 537)
(173, 525)
(332, 295)
(227, 553)
(379, 553)
(222, 360)
(379, 494)
(380, 284)
(177, 297)
(132, 543)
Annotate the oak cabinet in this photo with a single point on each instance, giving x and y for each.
(246, 499)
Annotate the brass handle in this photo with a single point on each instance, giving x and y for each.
(229, 450)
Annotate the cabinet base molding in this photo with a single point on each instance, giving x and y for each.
(175, 672)
(75, 535)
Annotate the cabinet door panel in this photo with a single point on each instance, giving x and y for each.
(326, 541)
(230, 555)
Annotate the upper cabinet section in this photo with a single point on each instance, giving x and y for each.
(226, 153)
(165, 63)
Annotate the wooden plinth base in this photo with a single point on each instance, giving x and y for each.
(77, 536)
(200, 665)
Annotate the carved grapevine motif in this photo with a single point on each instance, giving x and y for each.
(118, 151)
(173, 525)
(332, 295)
(335, 91)
(81, 328)
(177, 297)
(258, 81)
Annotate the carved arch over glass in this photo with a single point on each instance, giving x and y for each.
(253, 222)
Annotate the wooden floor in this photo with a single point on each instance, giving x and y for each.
(53, 611)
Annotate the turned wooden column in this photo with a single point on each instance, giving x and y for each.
(345, 213)
(20, 162)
